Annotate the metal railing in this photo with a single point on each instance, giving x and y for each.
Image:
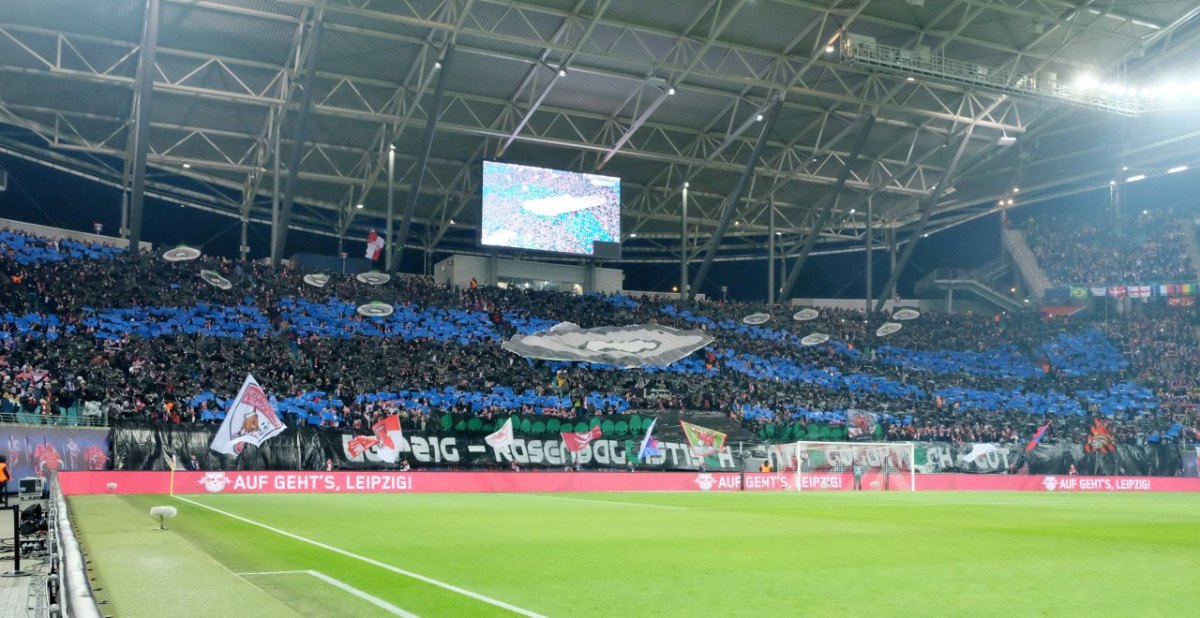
(53, 420)
(863, 51)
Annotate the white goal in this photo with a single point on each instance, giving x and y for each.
(846, 466)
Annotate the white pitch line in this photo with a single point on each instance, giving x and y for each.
(376, 601)
(613, 502)
(337, 583)
(371, 561)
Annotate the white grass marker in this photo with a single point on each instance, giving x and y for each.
(337, 583)
(371, 561)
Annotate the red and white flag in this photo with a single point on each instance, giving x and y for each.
(388, 433)
(1117, 291)
(577, 441)
(1139, 291)
(375, 245)
(501, 438)
(251, 420)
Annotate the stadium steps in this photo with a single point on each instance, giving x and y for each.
(1031, 272)
(977, 281)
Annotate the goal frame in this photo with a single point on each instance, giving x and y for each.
(908, 448)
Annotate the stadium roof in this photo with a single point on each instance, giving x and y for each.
(586, 85)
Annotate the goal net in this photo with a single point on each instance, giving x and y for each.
(846, 466)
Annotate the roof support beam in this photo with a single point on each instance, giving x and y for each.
(141, 145)
(559, 71)
(825, 213)
(293, 170)
(435, 110)
(735, 198)
(927, 207)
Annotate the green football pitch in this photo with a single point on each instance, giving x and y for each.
(686, 554)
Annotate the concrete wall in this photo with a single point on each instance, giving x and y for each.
(57, 232)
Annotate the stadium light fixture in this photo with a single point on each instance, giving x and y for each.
(758, 118)
(1016, 189)
(452, 222)
(671, 91)
(852, 211)
(437, 64)
(633, 234)
(1177, 169)
(910, 78)
(187, 166)
(829, 48)
(1006, 139)
(562, 72)
(686, 184)
(1145, 212)
(358, 206)
(1124, 168)
(1112, 183)
(1136, 178)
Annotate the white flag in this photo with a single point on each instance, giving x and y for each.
(250, 420)
(375, 244)
(503, 437)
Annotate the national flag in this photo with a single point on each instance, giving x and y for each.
(649, 446)
(1117, 291)
(501, 438)
(251, 420)
(704, 441)
(1139, 291)
(375, 244)
(389, 435)
(577, 441)
(1037, 437)
(1079, 292)
(1100, 438)
(1099, 291)
(1187, 288)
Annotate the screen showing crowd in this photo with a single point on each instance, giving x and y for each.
(548, 210)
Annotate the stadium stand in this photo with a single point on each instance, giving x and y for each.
(99, 333)
(1145, 247)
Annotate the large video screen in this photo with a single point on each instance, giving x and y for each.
(549, 210)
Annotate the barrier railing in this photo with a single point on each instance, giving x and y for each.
(57, 420)
(75, 598)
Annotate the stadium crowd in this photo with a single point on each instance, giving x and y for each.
(1144, 247)
(136, 337)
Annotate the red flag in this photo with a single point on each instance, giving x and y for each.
(576, 442)
(387, 431)
(359, 445)
(374, 246)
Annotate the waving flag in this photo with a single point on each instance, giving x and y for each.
(577, 441)
(1037, 437)
(375, 245)
(649, 444)
(704, 441)
(502, 438)
(387, 432)
(1100, 439)
(251, 420)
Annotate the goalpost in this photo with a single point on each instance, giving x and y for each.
(850, 466)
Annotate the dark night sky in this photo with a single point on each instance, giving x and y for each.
(41, 195)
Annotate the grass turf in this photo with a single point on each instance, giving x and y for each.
(965, 554)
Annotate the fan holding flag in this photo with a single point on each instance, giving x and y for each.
(649, 447)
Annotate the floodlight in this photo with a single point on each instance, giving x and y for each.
(1177, 169)
(1136, 178)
